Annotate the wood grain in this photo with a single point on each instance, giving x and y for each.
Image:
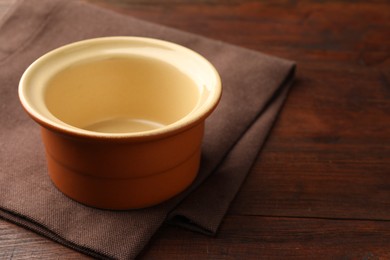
(328, 155)
(321, 186)
(254, 237)
(310, 32)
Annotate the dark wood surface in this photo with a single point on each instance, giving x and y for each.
(321, 186)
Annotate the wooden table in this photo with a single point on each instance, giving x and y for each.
(321, 186)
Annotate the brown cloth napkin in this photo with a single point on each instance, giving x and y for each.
(255, 87)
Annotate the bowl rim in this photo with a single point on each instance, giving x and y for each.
(195, 117)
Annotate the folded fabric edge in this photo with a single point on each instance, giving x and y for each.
(185, 217)
(32, 225)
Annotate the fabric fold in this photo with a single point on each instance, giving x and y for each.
(227, 176)
(255, 86)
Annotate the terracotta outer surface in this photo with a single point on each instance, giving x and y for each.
(123, 174)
